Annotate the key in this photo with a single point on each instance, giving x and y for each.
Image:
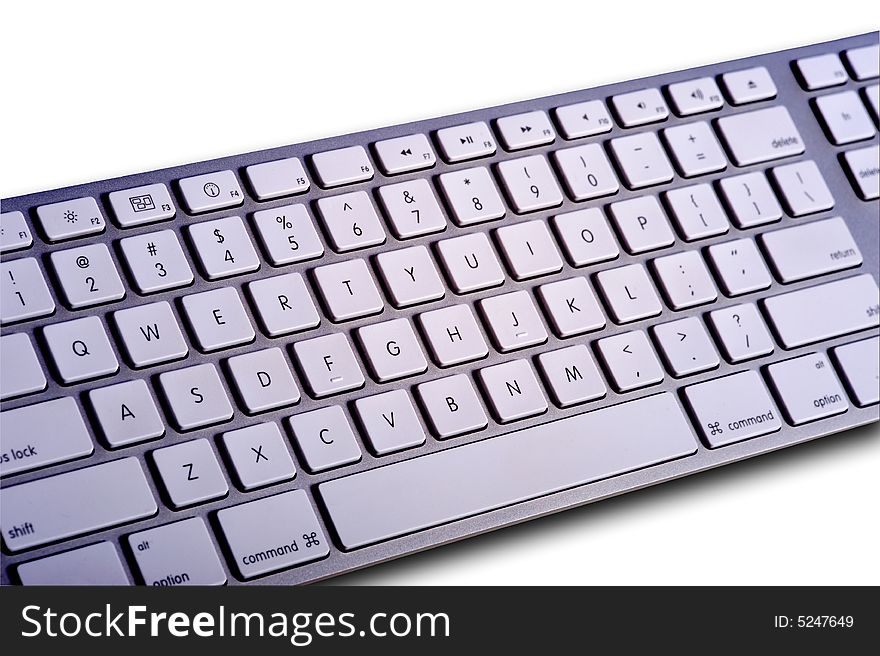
(368, 507)
(697, 212)
(273, 533)
(126, 413)
(70, 219)
(156, 262)
(282, 177)
(529, 184)
(583, 119)
(287, 234)
(324, 439)
(630, 360)
(739, 267)
(749, 85)
(859, 364)
(571, 375)
(451, 406)
(845, 118)
(150, 334)
(31, 437)
(63, 506)
(741, 332)
(211, 191)
(80, 350)
(863, 171)
(818, 313)
(452, 335)
(14, 232)
(412, 208)
(351, 221)
(464, 142)
(96, 564)
(872, 100)
(283, 304)
(391, 350)
(24, 293)
(733, 409)
(684, 279)
(142, 205)
(258, 455)
(586, 172)
(347, 290)
(821, 71)
(528, 250)
(195, 396)
(327, 365)
(263, 380)
(404, 154)
(571, 306)
(512, 390)
(641, 160)
(807, 388)
(639, 107)
(750, 200)
(410, 276)
(695, 96)
(342, 166)
(585, 236)
(642, 224)
(470, 263)
(686, 347)
(190, 473)
(513, 321)
(224, 248)
(181, 553)
(389, 422)
(22, 372)
(760, 136)
(863, 62)
(628, 293)
(812, 249)
(217, 319)
(695, 149)
(525, 130)
(472, 196)
(87, 276)
(803, 188)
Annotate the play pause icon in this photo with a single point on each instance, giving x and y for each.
(467, 140)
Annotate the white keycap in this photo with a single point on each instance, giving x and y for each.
(80, 349)
(211, 191)
(803, 188)
(391, 350)
(324, 439)
(452, 406)
(571, 306)
(733, 408)
(412, 208)
(750, 199)
(513, 321)
(263, 380)
(864, 62)
(347, 290)
(697, 212)
(71, 218)
(175, 554)
(695, 149)
(351, 221)
(686, 347)
(628, 293)
(760, 136)
(14, 232)
(150, 334)
(640, 107)
(404, 154)
(218, 319)
(812, 249)
(741, 332)
(807, 388)
(464, 142)
(410, 276)
(21, 372)
(96, 564)
(126, 413)
(821, 71)
(642, 224)
(845, 117)
(327, 365)
(190, 473)
(530, 184)
(749, 85)
(586, 172)
(872, 99)
(528, 249)
(259, 455)
(630, 360)
(452, 335)
(342, 166)
(571, 375)
(525, 130)
(641, 160)
(282, 177)
(142, 205)
(684, 279)
(25, 294)
(390, 422)
(470, 263)
(87, 276)
(288, 234)
(859, 365)
(863, 169)
(739, 267)
(472, 196)
(585, 236)
(224, 248)
(695, 96)
(195, 396)
(156, 261)
(283, 304)
(513, 390)
(583, 119)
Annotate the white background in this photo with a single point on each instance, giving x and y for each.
(96, 90)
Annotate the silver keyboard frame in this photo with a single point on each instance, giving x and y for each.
(860, 216)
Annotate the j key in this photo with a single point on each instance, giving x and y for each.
(71, 218)
(586, 236)
(24, 291)
(583, 119)
(288, 234)
(390, 422)
(412, 208)
(803, 188)
(807, 388)
(80, 349)
(641, 160)
(863, 171)
(695, 96)
(211, 191)
(529, 184)
(14, 232)
(741, 332)
(859, 364)
(404, 154)
(525, 130)
(259, 455)
(586, 172)
(224, 248)
(21, 372)
(190, 473)
(282, 177)
(750, 85)
(760, 136)
(464, 142)
(640, 107)
(845, 117)
(327, 365)
(96, 564)
(697, 212)
(513, 321)
(472, 196)
(863, 62)
(695, 149)
(87, 276)
(513, 390)
(324, 438)
(181, 553)
(812, 249)
(141, 205)
(342, 166)
(195, 396)
(821, 71)
(351, 221)
(156, 261)
(739, 266)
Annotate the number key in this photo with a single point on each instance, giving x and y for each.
(224, 248)
(472, 196)
(155, 261)
(24, 291)
(412, 208)
(288, 234)
(87, 276)
(529, 184)
(351, 221)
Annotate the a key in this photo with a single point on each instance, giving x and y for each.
(749, 85)
(342, 166)
(733, 408)
(741, 332)
(812, 249)
(472, 196)
(695, 96)
(586, 172)
(464, 142)
(583, 119)
(807, 388)
(150, 334)
(390, 422)
(697, 212)
(281, 177)
(283, 304)
(863, 171)
(211, 191)
(585, 236)
(391, 350)
(87, 276)
(351, 221)
(639, 107)
(628, 293)
(181, 553)
(684, 280)
(288, 234)
(750, 199)
(630, 360)
(25, 294)
(142, 205)
(453, 335)
(760, 136)
(513, 321)
(14, 232)
(96, 564)
(513, 390)
(529, 184)
(21, 372)
(324, 439)
(80, 350)
(223, 247)
(686, 347)
(259, 455)
(803, 188)
(525, 130)
(695, 149)
(470, 263)
(845, 117)
(642, 224)
(70, 219)
(218, 319)
(452, 406)
(190, 473)
(31, 436)
(156, 262)
(412, 208)
(126, 413)
(641, 160)
(859, 365)
(347, 290)
(327, 365)
(739, 267)
(410, 276)
(195, 396)
(863, 62)
(571, 375)
(821, 71)
(404, 154)
(528, 250)
(571, 306)
(263, 380)
(49, 509)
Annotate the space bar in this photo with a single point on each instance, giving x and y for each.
(441, 487)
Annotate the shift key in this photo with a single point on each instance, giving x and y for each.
(761, 136)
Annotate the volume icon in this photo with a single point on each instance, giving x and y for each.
(697, 94)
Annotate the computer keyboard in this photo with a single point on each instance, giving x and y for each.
(285, 365)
